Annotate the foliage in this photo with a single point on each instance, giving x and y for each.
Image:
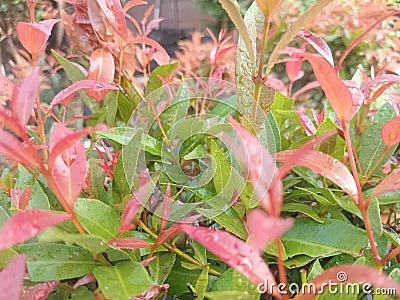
(185, 187)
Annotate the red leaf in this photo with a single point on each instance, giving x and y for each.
(12, 277)
(234, 252)
(326, 166)
(166, 235)
(391, 132)
(23, 153)
(129, 243)
(388, 184)
(133, 3)
(293, 67)
(33, 36)
(318, 118)
(357, 96)
(69, 169)
(152, 43)
(8, 121)
(318, 44)
(335, 90)
(263, 229)
(19, 199)
(131, 210)
(152, 292)
(26, 97)
(350, 274)
(260, 165)
(89, 278)
(40, 291)
(115, 16)
(68, 94)
(166, 207)
(306, 122)
(387, 78)
(25, 224)
(102, 69)
(6, 86)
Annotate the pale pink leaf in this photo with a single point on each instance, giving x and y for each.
(115, 16)
(318, 44)
(129, 243)
(102, 69)
(357, 96)
(324, 165)
(39, 291)
(68, 94)
(293, 67)
(232, 250)
(14, 150)
(25, 224)
(69, 169)
(306, 88)
(263, 229)
(133, 3)
(6, 86)
(19, 199)
(152, 43)
(306, 122)
(33, 36)
(391, 132)
(335, 90)
(89, 278)
(388, 184)
(350, 274)
(12, 277)
(27, 96)
(318, 118)
(153, 24)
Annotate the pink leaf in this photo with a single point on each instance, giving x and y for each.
(357, 96)
(26, 97)
(23, 153)
(391, 132)
(131, 210)
(318, 44)
(129, 243)
(259, 163)
(335, 90)
(388, 184)
(152, 292)
(152, 43)
(68, 94)
(115, 16)
(12, 277)
(133, 3)
(166, 235)
(40, 291)
(69, 169)
(318, 118)
(89, 278)
(19, 199)
(166, 207)
(25, 224)
(102, 69)
(153, 24)
(6, 87)
(306, 122)
(326, 166)
(293, 67)
(33, 36)
(306, 88)
(233, 251)
(350, 274)
(263, 229)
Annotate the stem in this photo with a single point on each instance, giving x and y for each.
(175, 250)
(369, 174)
(368, 229)
(42, 133)
(392, 254)
(281, 269)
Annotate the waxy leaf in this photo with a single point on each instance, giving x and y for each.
(24, 225)
(318, 44)
(112, 9)
(390, 183)
(306, 122)
(233, 251)
(129, 243)
(69, 169)
(263, 229)
(326, 166)
(6, 86)
(351, 274)
(335, 90)
(26, 98)
(102, 69)
(69, 93)
(391, 132)
(12, 277)
(19, 199)
(33, 36)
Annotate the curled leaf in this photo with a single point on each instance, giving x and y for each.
(318, 44)
(24, 225)
(12, 277)
(234, 252)
(391, 132)
(129, 243)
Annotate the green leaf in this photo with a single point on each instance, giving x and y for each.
(81, 293)
(75, 74)
(293, 29)
(125, 107)
(371, 151)
(4, 214)
(196, 153)
(52, 261)
(271, 136)
(374, 214)
(121, 135)
(154, 82)
(161, 266)
(201, 283)
(6, 256)
(200, 252)
(316, 239)
(179, 276)
(281, 103)
(315, 270)
(98, 218)
(123, 281)
(302, 208)
(92, 243)
(97, 176)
